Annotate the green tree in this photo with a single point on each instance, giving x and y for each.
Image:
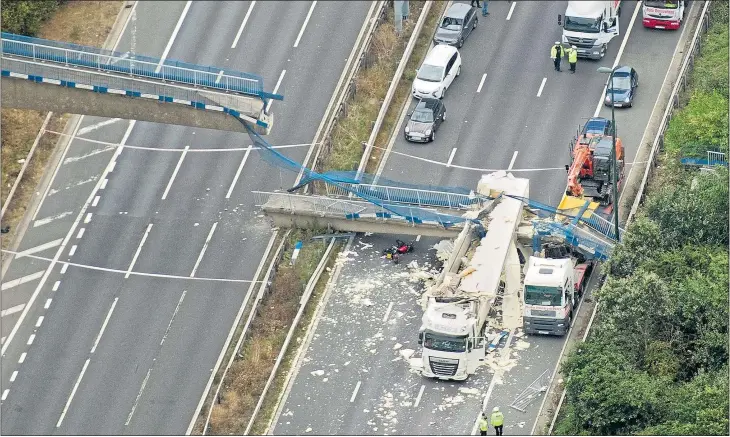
(700, 126)
(25, 17)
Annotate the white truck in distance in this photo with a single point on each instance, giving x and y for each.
(590, 26)
(552, 289)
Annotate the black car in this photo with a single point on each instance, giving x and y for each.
(425, 120)
(625, 82)
(458, 23)
(597, 126)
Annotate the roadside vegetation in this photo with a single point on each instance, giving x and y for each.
(81, 22)
(372, 83)
(656, 362)
(276, 311)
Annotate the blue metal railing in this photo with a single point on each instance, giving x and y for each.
(42, 50)
(422, 198)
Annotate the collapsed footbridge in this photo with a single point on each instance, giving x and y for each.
(61, 77)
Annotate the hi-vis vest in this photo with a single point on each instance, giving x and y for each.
(483, 425)
(573, 56)
(497, 418)
(554, 52)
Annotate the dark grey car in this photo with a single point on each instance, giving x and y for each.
(457, 25)
(425, 120)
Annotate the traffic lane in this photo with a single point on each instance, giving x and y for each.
(197, 335)
(477, 55)
(55, 358)
(152, 19)
(631, 123)
(88, 251)
(349, 337)
(126, 351)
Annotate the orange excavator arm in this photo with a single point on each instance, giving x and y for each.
(581, 161)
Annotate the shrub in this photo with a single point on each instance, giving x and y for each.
(25, 17)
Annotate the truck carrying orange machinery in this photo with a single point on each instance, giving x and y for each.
(590, 175)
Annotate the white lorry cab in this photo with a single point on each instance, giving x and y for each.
(552, 290)
(451, 337)
(590, 26)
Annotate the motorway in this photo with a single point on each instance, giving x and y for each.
(352, 378)
(104, 352)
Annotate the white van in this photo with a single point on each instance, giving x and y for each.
(441, 66)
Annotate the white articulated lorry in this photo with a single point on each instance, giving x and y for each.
(452, 334)
(590, 26)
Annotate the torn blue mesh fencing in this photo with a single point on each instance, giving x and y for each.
(409, 213)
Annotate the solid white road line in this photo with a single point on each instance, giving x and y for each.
(511, 9)
(202, 252)
(81, 233)
(512, 162)
(276, 89)
(481, 83)
(139, 395)
(139, 249)
(96, 126)
(73, 393)
(240, 29)
(387, 312)
(22, 357)
(23, 280)
(542, 85)
(13, 376)
(103, 325)
(618, 55)
(174, 173)
(503, 356)
(238, 172)
(45, 221)
(41, 248)
(12, 310)
(354, 392)
(174, 35)
(418, 398)
(451, 157)
(304, 26)
(72, 251)
(177, 308)
(96, 201)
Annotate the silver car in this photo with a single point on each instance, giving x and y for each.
(457, 25)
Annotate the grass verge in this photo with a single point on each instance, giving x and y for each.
(371, 86)
(81, 22)
(250, 371)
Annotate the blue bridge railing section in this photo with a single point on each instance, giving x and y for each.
(43, 51)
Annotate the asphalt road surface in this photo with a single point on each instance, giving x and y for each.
(353, 379)
(102, 353)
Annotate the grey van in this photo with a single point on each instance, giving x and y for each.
(457, 25)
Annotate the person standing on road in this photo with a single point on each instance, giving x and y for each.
(497, 420)
(556, 54)
(483, 424)
(484, 8)
(477, 3)
(572, 58)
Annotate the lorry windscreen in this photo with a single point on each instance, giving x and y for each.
(662, 4)
(580, 24)
(541, 295)
(444, 343)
